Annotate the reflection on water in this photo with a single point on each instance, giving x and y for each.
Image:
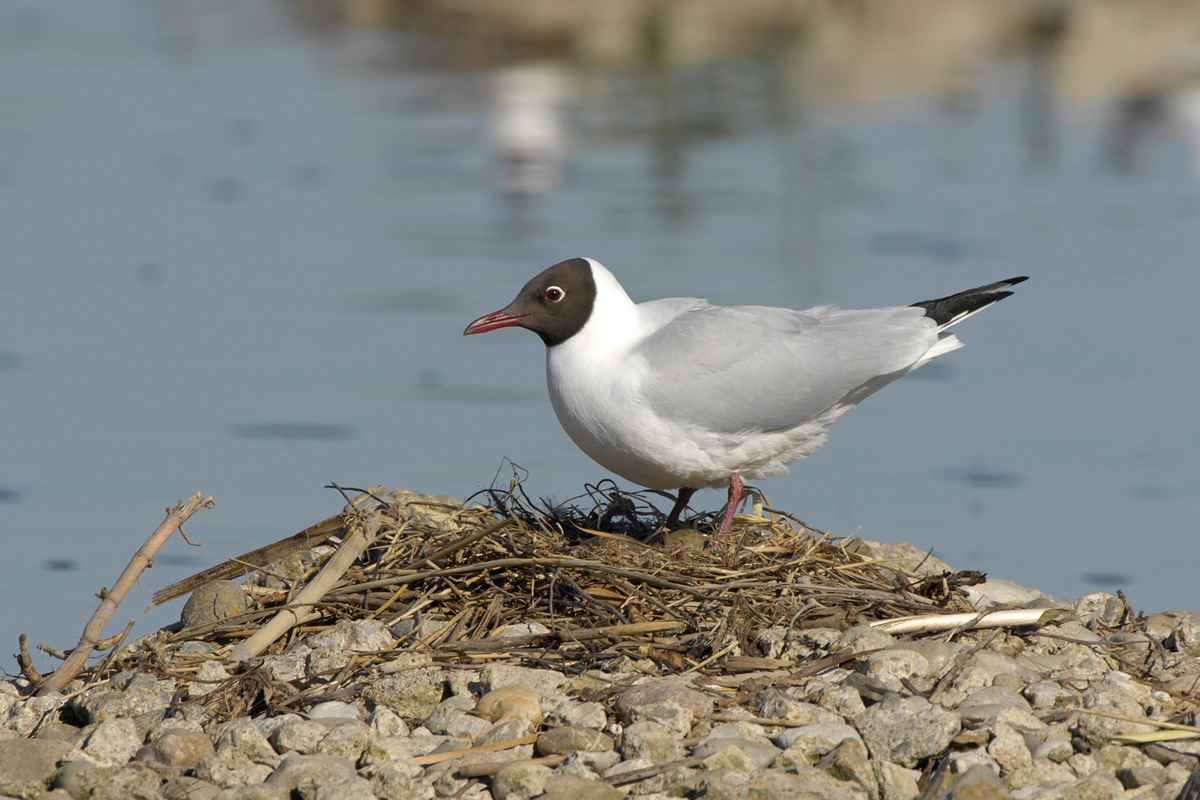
(525, 129)
(291, 431)
(223, 221)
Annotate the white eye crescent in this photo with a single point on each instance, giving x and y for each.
(554, 294)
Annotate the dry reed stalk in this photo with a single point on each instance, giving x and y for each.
(359, 539)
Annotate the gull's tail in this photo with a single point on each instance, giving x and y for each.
(947, 311)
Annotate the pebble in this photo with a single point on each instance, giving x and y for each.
(213, 602)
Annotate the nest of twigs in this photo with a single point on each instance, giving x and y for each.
(575, 587)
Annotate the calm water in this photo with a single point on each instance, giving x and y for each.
(238, 258)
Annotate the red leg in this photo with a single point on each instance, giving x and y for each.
(685, 495)
(735, 499)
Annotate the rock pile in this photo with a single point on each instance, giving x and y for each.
(1069, 708)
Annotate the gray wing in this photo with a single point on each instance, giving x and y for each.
(734, 369)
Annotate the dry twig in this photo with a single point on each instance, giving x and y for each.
(111, 598)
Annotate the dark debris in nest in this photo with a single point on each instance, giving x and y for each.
(575, 586)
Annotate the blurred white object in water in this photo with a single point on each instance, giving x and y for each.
(525, 129)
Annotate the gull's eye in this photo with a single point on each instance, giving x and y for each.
(554, 294)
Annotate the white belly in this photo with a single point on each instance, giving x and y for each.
(607, 419)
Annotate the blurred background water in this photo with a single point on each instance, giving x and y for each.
(239, 243)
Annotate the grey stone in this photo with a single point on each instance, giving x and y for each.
(356, 636)
(1100, 608)
(677, 719)
(779, 642)
(289, 666)
(760, 753)
(398, 780)
(1006, 593)
(711, 784)
(334, 709)
(411, 694)
(1191, 788)
(78, 778)
(861, 638)
(386, 722)
(589, 764)
(325, 661)
(896, 782)
(729, 757)
(1097, 730)
(258, 791)
(902, 554)
(1187, 635)
(52, 730)
(26, 764)
(449, 708)
(355, 788)
(870, 689)
(848, 762)
(565, 712)
(348, 738)
(1186, 753)
(1046, 695)
(505, 731)
(806, 745)
(209, 675)
(280, 574)
(651, 741)
(804, 782)
(185, 787)
(906, 730)
(545, 682)
(25, 715)
(844, 701)
(895, 665)
(520, 781)
(230, 767)
(571, 740)
(1056, 749)
(636, 701)
(1097, 786)
(448, 784)
(213, 602)
(105, 702)
(1135, 777)
(177, 747)
(467, 727)
(244, 736)
(983, 703)
(976, 783)
(777, 704)
(738, 729)
(581, 788)
(391, 748)
(1008, 749)
(135, 781)
(941, 655)
(112, 741)
(983, 667)
(306, 773)
(298, 735)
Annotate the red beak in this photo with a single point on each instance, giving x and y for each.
(494, 320)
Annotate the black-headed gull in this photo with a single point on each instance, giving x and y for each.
(680, 394)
